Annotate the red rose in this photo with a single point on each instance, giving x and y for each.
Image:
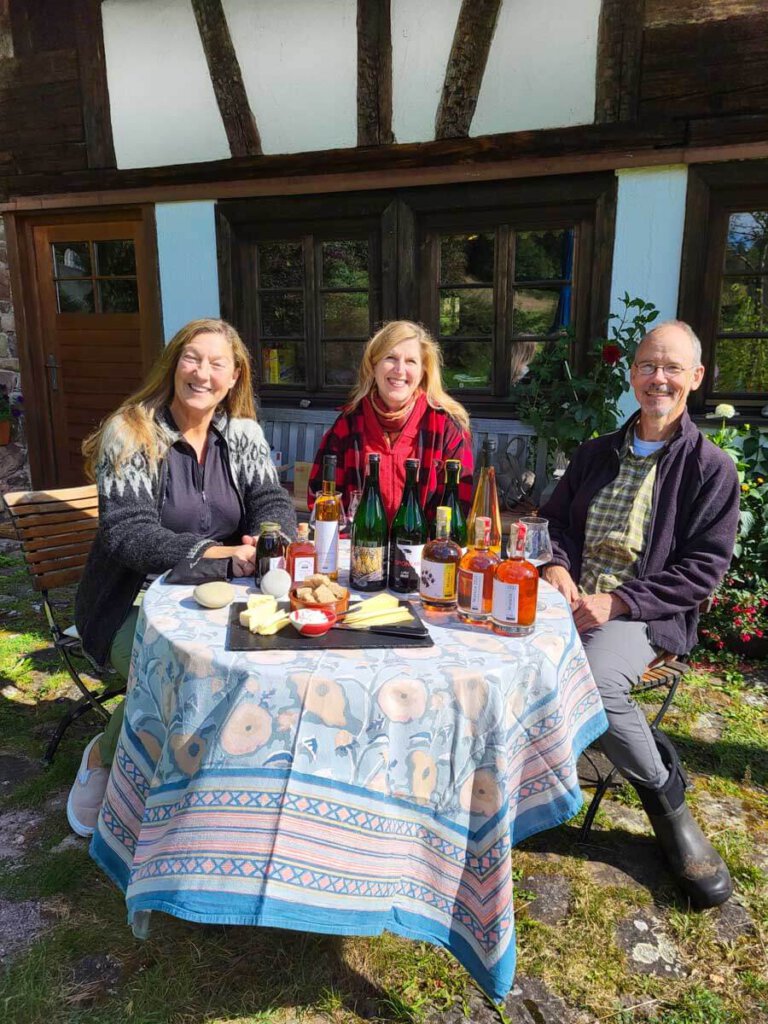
(611, 354)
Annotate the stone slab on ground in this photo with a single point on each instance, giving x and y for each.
(732, 922)
(14, 770)
(530, 1002)
(20, 924)
(719, 812)
(552, 900)
(17, 829)
(648, 946)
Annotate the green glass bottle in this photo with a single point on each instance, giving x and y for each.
(368, 567)
(450, 499)
(407, 536)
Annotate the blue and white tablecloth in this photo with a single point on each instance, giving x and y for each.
(344, 791)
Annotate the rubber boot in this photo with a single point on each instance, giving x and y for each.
(697, 866)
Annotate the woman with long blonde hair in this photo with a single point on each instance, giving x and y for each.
(399, 410)
(183, 472)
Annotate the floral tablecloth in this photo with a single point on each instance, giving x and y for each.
(344, 791)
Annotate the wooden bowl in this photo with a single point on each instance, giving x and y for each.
(338, 606)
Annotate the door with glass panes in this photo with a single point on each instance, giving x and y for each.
(100, 329)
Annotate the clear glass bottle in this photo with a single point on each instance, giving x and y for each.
(439, 565)
(328, 511)
(451, 500)
(368, 565)
(515, 589)
(475, 591)
(270, 550)
(485, 501)
(301, 557)
(407, 536)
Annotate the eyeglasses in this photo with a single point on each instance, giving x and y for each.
(669, 370)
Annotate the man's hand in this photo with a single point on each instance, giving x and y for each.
(562, 580)
(595, 609)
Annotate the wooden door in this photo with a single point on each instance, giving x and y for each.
(99, 326)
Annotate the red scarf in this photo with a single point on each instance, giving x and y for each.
(392, 423)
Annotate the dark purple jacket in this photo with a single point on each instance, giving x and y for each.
(691, 534)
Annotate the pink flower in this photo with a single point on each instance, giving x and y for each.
(745, 637)
(611, 354)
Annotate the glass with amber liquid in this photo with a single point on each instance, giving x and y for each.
(439, 565)
(515, 589)
(328, 513)
(485, 501)
(475, 591)
(301, 557)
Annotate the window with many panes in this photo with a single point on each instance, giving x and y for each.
(495, 272)
(724, 282)
(95, 277)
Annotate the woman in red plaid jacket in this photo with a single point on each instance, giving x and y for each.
(398, 410)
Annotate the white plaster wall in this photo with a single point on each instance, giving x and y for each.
(541, 67)
(648, 244)
(186, 254)
(422, 34)
(299, 65)
(162, 102)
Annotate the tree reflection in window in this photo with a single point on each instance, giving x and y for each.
(95, 276)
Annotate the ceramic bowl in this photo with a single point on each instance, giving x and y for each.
(313, 628)
(339, 606)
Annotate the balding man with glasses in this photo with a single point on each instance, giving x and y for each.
(643, 525)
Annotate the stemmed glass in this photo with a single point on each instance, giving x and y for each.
(538, 545)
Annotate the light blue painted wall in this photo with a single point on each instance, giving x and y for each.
(650, 217)
(186, 250)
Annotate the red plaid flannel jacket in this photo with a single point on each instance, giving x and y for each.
(430, 435)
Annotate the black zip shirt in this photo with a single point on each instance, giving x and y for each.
(200, 498)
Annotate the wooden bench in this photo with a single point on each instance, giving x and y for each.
(296, 434)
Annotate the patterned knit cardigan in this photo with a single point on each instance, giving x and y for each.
(131, 543)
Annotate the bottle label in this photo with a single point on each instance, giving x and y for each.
(367, 565)
(438, 579)
(407, 564)
(475, 589)
(303, 567)
(276, 563)
(506, 598)
(327, 545)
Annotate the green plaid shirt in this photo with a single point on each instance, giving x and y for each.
(617, 523)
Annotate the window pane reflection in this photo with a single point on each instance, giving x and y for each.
(282, 313)
(75, 296)
(466, 311)
(466, 259)
(747, 243)
(281, 264)
(71, 259)
(741, 365)
(345, 314)
(340, 362)
(743, 302)
(467, 365)
(543, 255)
(284, 362)
(540, 311)
(345, 264)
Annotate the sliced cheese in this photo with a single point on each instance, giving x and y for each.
(273, 625)
(262, 601)
(380, 603)
(381, 619)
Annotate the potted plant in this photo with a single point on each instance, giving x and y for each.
(568, 408)
(5, 417)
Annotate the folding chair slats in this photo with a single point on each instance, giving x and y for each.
(17, 499)
(68, 533)
(43, 561)
(30, 508)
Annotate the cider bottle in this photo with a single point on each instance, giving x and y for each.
(485, 501)
(407, 536)
(439, 562)
(328, 510)
(515, 589)
(451, 500)
(301, 557)
(475, 592)
(368, 566)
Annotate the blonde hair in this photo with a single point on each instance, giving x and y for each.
(382, 343)
(134, 427)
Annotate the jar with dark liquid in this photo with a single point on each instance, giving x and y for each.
(270, 550)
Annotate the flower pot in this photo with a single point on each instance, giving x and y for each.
(5, 431)
(752, 649)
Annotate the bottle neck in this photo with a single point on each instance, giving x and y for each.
(329, 486)
(372, 480)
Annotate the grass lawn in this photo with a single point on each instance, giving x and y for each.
(602, 934)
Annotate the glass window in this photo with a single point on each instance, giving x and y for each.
(95, 277)
(741, 340)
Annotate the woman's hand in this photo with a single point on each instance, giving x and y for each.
(562, 580)
(243, 557)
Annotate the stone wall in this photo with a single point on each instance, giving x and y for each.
(14, 466)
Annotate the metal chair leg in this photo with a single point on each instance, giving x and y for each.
(94, 700)
(79, 709)
(594, 806)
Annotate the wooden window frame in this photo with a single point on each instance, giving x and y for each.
(400, 221)
(715, 191)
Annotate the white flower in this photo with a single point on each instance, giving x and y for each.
(725, 411)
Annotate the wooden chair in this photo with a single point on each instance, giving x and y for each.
(56, 529)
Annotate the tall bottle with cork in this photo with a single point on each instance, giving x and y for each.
(450, 499)
(368, 567)
(407, 536)
(515, 589)
(439, 564)
(485, 501)
(328, 511)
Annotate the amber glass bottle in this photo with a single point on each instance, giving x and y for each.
(475, 591)
(439, 564)
(485, 501)
(328, 511)
(301, 557)
(515, 589)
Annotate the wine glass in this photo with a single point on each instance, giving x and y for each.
(538, 545)
(352, 504)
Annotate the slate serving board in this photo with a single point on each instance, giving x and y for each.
(241, 639)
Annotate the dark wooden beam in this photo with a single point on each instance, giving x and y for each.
(374, 73)
(466, 65)
(6, 35)
(97, 121)
(227, 79)
(619, 55)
